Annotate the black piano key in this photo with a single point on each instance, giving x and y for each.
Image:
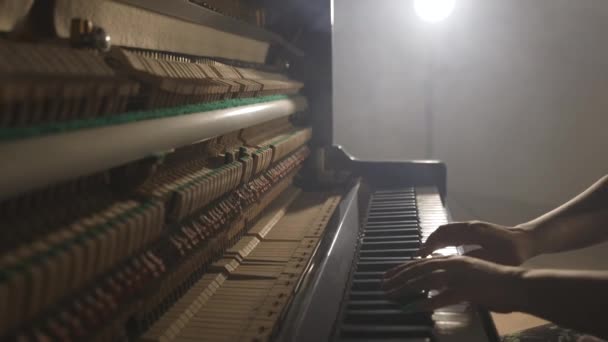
(411, 223)
(394, 191)
(391, 221)
(382, 192)
(391, 218)
(377, 197)
(375, 304)
(367, 295)
(372, 222)
(388, 244)
(392, 232)
(379, 295)
(392, 201)
(388, 253)
(393, 206)
(368, 275)
(413, 238)
(374, 218)
(387, 195)
(393, 210)
(379, 202)
(403, 205)
(387, 317)
(379, 266)
(405, 213)
(388, 211)
(398, 259)
(411, 204)
(366, 284)
(392, 225)
(405, 194)
(395, 201)
(390, 331)
(401, 192)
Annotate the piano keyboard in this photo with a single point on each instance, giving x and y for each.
(397, 222)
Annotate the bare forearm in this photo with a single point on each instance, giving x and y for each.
(581, 222)
(572, 299)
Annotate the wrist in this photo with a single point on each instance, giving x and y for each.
(528, 240)
(519, 289)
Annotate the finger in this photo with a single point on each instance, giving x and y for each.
(481, 253)
(436, 280)
(418, 269)
(391, 272)
(404, 267)
(443, 299)
(453, 234)
(432, 281)
(447, 235)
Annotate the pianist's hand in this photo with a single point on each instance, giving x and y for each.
(499, 244)
(459, 278)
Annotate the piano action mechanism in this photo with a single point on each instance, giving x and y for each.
(168, 175)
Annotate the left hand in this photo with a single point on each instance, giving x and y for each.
(460, 278)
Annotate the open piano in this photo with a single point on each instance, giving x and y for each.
(168, 175)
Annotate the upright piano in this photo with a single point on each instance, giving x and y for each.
(168, 174)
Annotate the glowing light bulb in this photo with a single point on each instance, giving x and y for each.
(434, 10)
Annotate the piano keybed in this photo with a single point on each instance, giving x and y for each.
(256, 278)
(396, 223)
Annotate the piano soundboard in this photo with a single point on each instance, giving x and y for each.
(168, 176)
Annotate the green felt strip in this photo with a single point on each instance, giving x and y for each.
(13, 133)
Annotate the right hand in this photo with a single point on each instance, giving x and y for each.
(499, 244)
(459, 278)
